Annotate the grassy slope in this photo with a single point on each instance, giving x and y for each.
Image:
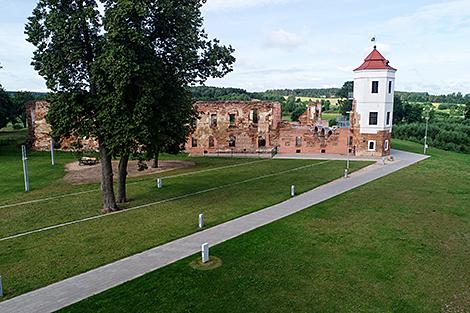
(36, 260)
(399, 244)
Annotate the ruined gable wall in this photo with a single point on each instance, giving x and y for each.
(306, 139)
(245, 130)
(39, 131)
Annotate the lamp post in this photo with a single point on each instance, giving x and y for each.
(426, 132)
(426, 136)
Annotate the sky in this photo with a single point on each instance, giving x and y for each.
(303, 43)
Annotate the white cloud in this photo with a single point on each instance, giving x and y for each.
(282, 39)
(221, 5)
(445, 16)
(347, 69)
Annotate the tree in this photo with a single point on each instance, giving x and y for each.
(298, 112)
(187, 58)
(344, 92)
(398, 110)
(20, 99)
(467, 111)
(175, 123)
(161, 48)
(126, 72)
(68, 39)
(345, 104)
(5, 107)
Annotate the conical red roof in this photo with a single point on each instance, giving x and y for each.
(375, 61)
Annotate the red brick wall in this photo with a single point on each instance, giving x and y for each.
(245, 130)
(312, 140)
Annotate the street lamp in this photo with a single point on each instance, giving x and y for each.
(426, 136)
(426, 133)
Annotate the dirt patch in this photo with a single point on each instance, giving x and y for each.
(77, 174)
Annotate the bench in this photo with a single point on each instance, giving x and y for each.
(87, 161)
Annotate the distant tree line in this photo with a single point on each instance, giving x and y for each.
(13, 107)
(456, 98)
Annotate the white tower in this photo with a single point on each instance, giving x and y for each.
(374, 89)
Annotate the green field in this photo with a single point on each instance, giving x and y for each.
(330, 116)
(34, 260)
(399, 244)
(334, 101)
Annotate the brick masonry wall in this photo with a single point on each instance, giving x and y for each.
(308, 139)
(39, 138)
(360, 142)
(214, 129)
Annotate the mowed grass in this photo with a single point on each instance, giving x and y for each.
(36, 260)
(398, 244)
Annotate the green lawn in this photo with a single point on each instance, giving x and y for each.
(330, 116)
(35, 260)
(399, 244)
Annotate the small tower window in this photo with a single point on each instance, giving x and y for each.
(388, 118)
(390, 87)
(232, 119)
(386, 145)
(371, 145)
(375, 87)
(211, 142)
(261, 142)
(194, 142)
(298, 141)
(373, 118)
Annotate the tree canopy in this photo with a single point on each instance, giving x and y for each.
(5, 107)
(110, 73)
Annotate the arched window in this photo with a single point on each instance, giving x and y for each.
(211, 142)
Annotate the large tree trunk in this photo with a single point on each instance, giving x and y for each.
(122, 176)
(109, 200)
(155, 159)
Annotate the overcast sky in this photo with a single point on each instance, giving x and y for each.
(304, 43)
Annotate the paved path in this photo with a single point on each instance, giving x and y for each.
(318, 156)
(72, 290)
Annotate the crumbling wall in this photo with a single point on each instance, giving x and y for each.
(312, 139)
(238, 126)
(312, 115)
(39, 131)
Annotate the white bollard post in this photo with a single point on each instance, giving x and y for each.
(52, 153)
(205, 253)
(25, 168)
(346, 173)
(1, 287)
(201, 221)
(159, 183)
(292, 191)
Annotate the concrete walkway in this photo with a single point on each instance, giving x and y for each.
(72, 290)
